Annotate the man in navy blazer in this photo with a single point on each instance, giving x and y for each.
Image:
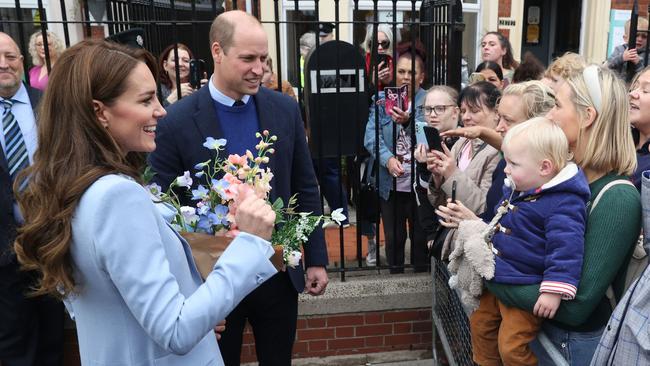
(234, 106)
(31, 329)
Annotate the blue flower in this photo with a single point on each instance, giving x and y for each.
(199, 174)
(220, 186)
(202, 165)
(221, 214)
(213, 144)
(204, 224)
(199, 193)
(203, 209)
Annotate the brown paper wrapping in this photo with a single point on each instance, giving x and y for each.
(206, 250)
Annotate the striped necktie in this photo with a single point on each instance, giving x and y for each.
(15, 148)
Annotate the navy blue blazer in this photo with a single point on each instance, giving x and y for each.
(7, 222)
(179, 147)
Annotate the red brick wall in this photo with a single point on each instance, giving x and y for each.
(505, 11)
(505, 8)
(627, 5)
(340, 334)
(346, 334)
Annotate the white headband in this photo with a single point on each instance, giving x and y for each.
(590, 74)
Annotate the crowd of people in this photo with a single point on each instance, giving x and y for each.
(543, 168)
(543, 173)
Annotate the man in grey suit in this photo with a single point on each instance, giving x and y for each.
(31, 328)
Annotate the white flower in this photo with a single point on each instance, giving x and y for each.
(189, 214)
(338, 216)
(184, 180)
(154, 189)
(293, 258)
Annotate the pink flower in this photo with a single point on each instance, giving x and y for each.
(237, 160)
(240, 192)
(231, 191)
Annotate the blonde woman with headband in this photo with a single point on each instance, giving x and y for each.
(592, 110)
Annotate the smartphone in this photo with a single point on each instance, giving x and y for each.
(196, 72)
(382, 57)
(433, 138)
(453, 192)
(475, 77)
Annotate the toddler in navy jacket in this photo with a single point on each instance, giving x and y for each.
(539, 238)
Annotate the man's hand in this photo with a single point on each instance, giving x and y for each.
(547, 305)
(316, 281)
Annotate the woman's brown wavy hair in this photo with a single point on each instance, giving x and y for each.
(74, 151)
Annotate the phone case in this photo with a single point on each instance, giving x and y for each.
(420, 137)
(396, 97)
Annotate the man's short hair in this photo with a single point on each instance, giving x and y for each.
(222, 30)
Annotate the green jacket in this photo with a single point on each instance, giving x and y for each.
(612, 230)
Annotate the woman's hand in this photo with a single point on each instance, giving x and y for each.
(255, 216)
(220, 328)
(186, 89)
(441, 163)
(455, 212)
(385, 76)
(472, 132)
(394, 167)
(399, 116)
(421, 153)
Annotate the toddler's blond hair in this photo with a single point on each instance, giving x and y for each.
(543, 139)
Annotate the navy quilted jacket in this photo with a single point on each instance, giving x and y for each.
(541, 237)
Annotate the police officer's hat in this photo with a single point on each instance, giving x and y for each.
(133, 37)
(325, 29)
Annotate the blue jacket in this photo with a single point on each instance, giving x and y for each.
(541, 237)
(386, 139)
(141, 300)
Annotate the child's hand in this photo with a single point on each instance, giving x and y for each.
(547, 305)
(631, 55)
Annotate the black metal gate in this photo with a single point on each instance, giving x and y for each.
(438, 24)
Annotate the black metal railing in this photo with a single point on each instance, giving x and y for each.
(437, 24)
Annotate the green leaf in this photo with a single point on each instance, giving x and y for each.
(148, 174)
(278, 204)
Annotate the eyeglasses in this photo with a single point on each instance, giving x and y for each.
(436, 109)
(384, 44)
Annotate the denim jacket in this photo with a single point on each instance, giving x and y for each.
(386, 139)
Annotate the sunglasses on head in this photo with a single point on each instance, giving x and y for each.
(384, 44)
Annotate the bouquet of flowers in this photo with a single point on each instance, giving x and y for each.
(223, 181)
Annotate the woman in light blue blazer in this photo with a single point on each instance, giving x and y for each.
(94, 237)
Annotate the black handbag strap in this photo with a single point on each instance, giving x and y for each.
(365, 177)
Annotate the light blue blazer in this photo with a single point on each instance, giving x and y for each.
(140, 298)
